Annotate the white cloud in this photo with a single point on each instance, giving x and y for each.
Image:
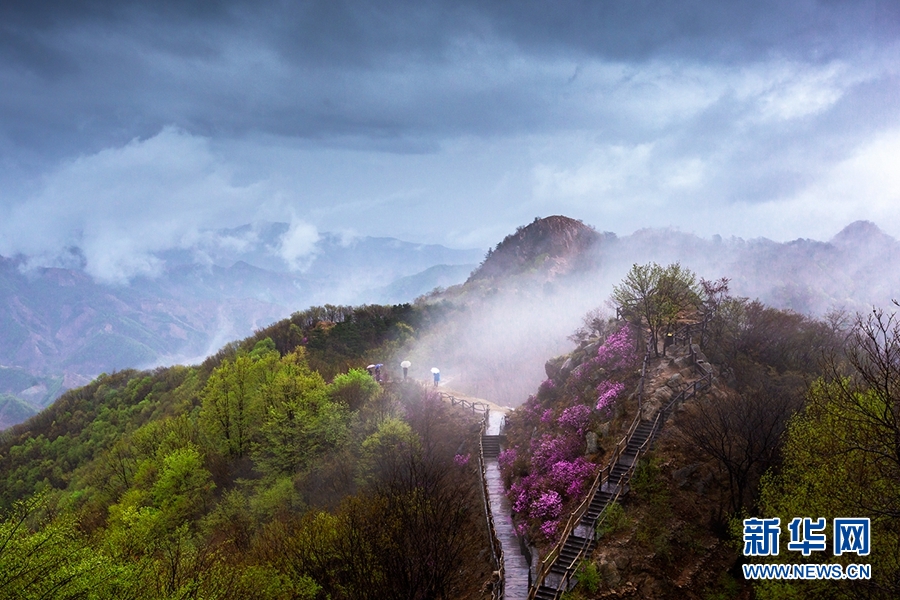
(864, 186)
(122, 204)
(298, 245)
(781, 91)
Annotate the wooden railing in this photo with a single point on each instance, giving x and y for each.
(496, 546)
(603, 476)
(474, 405)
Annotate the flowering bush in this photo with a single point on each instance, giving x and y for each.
(618, 351)
(548, 505)
(575, 418)
(532, 411)
(461, 460)
(571, 475)
(523, 493)
(607, 392)
(507, 458)
(546, 389)
(549, 528)
(546, 470)
(554, 474)
(551, 449)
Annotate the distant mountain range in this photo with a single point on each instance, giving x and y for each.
(852, 271)
(59, 328)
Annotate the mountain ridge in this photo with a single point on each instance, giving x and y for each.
(60, 326)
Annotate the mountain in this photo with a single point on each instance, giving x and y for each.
(534, 288)
(60, 327)
(554, 244)
(272, 470)
(134, 486)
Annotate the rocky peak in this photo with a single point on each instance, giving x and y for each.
(860, 232)
(554, 243)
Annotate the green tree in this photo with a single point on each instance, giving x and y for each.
(354, 388)
(832, 469)
(842, 458)
(232, 402)
(301, 422)
(183, 488)
(387, 453)
(655, 297)
(43, 556)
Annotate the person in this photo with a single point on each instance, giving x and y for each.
(437, 377)
(378, 372)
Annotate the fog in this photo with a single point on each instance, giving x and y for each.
(497, 337)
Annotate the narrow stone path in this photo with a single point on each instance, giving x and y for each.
(515, 567)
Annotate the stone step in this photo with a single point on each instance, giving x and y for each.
(545, 593)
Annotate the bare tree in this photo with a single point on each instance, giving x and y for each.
(742, 433)
(869, 396)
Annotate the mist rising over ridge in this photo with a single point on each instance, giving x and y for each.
(534, 288)
(514, 311)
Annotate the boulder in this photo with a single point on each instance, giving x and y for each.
(683, 475)
(652, 405)
(683, 362)
(609, 571)
(553, 367)
(675, 382)
(662, 394)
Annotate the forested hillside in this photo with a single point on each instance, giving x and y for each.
(280, 468)
(253, 475)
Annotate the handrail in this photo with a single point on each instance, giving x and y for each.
(601, 478)
(474, 405)
(661, 416)
(604, 474)
(496, 546)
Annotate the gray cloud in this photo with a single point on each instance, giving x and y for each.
(116, 70)
(443, 121)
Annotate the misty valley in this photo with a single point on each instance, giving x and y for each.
(580, 416)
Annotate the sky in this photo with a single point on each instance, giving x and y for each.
(128, 127)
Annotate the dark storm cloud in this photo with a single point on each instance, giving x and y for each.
(105, 72)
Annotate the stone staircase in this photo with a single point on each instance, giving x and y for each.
(490, 445)
(580, 543)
